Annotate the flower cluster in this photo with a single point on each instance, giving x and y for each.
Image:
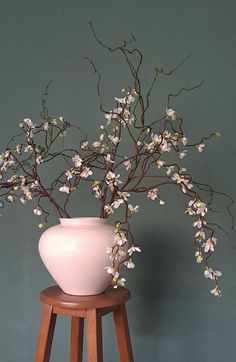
(157, 150)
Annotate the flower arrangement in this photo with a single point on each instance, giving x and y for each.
(157, 151)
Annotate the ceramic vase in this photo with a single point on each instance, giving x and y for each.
(74, 253)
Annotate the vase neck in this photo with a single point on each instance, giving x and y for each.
(82, 221)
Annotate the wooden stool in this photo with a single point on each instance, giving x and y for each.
(93, 307)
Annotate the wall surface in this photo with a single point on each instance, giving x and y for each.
(172, 315)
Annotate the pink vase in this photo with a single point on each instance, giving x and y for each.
(74, 253)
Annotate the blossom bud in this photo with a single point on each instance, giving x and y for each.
(21, 125)
(198, 256)
(117, 226)
(42, 225)
(10, 198)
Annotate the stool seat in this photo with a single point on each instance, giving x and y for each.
(111, 297)
(80, 308)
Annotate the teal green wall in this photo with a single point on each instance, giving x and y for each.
(172, 315)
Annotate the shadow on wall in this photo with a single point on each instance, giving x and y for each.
(167, 282)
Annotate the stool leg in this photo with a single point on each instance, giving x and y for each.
(122, 334)
(94, 336)
(76, 340)
(45, 335)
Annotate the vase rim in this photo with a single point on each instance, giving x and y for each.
(82, 220)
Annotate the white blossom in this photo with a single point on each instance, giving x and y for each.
(152, 194)
(65, 189)
(77, 160)
(123, 194)
(212, 274)
(200, 147)
(28, 148)
(35, 185)
(120, 283)
(96, 144)
(129, 264)
(109, 117)
(117, 203)
(200, 235)
(199, 223)
(184, 141)
(201, 208)
(39, 159)
(182, 181)
(23, 200)
(216, 292)
(122, 101)
(108, 210)
(110, 270)
(170, 112)
(114, 140)
(27, 192)
(155, 142)
(46, 126)
(86, 172)
(169, 170)
(165, 146)
(209, 244)
(160, 163)
(183, 154)
(133, 249)
(37, 211)
(112, 179)
(10, 198)
(190, 211)
(132, 209)
(18, 149)
(69, 174)
(127, 164)
(101, 137)
(120, 238)
(29, 123)
(108, 158)
(84, 145)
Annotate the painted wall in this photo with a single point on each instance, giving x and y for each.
(172, 315)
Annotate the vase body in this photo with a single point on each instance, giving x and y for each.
(74, 253)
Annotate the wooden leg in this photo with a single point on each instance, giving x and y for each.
(76, 339)
(122, 334)
(94, 336)
(45, 336)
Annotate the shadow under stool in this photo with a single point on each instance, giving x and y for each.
(79, 308)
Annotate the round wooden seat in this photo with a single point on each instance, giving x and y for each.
(54, 296)
(89, 308)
